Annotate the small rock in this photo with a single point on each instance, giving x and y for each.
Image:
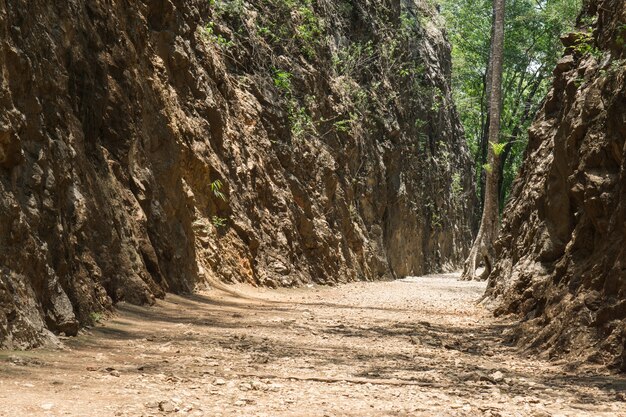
(259, 386)
(47, 406)
(16, 360)
(497, 376)
(219, 381)
(115, 373)
(564, 64)
(167, 407)
(152, 404)
(240, 403)
(244, 386)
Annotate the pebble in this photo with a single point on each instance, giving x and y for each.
(244, 386)
(167, 406)
(497, 376)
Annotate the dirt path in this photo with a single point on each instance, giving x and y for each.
(413, 347)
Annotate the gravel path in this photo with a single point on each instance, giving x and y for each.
(414, 347)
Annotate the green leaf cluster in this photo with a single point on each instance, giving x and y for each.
(216, 189)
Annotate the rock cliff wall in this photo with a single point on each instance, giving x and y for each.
(562, 252)
(153, 146)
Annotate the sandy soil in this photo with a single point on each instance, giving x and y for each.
(419, 346)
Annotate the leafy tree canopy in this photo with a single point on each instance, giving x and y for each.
(531, 49)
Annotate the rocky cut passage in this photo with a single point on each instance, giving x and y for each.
(562, 253)
(419, 346)
(151, 146)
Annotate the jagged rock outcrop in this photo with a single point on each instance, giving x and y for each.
(562, 250)
(152, 146)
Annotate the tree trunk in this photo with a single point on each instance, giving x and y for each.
(482, 249)
(484, 137)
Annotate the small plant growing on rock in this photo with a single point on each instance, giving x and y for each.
(299, 119)
(309, 31)
(585, 45)
(95, 317)
(282, 80)
(219, 221)
(228, 8)
(345, 125)
(221, 41)
(216, 189)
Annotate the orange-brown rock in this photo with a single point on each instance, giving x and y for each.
(337, 161)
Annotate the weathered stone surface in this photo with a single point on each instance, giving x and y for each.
(116, 117)
(562, 251)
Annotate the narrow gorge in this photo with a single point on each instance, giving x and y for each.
(263, 207)
(153, 147)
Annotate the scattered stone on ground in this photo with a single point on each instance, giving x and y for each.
(414, 347)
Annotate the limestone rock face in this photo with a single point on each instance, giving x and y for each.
(562, 251)
(154, 146)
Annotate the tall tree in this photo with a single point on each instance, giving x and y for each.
(482, 249)
(531, 49)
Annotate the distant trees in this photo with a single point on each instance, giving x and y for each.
(529, 52)
(531, 49)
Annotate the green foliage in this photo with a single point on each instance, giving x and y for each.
(585, 45)
(216, 190)
(290, 26)
(532, 47)
(408, 23)
(436, 220)
(579, 81)
(352, 60)
(95, 317)
(282, 80)
(309, 31)
(497, 148)
(227, 8)
(209, 33)
(219, 221)
(299, 119)
(345, 125)
(487, 167)
(216, 187)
